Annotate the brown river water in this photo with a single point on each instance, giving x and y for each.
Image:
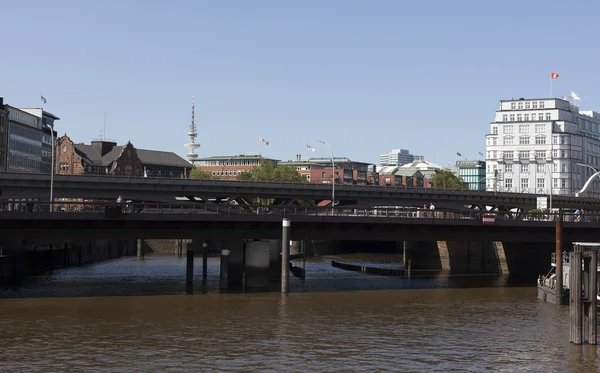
(130, 315)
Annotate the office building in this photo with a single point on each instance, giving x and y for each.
(319, 170)
(396, 157)
(542, 146)
(472, 173)
(228, 167)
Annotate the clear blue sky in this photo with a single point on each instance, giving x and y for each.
(366, 76)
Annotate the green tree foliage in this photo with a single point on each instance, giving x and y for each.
(198, 174)
(266, 172)
(446, 179)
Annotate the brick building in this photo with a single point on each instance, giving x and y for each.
(318, 170)
(228, 167)
(398, 176)
(107, 158)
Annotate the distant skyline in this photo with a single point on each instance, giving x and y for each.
(366, 77)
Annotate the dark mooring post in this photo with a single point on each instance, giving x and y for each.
(189, 268)
(285, 255)
(204, 260)
(224, 269)
(583, 304)
(559, 264)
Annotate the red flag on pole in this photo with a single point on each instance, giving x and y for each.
(553, 75)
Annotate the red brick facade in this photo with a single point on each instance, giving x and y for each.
(68, 162)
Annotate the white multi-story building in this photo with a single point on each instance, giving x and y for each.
(396, 157)
(539, 145)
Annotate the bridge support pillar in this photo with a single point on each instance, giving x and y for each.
(189, 267)
(140, 249)
(285, 255)
(179, 247)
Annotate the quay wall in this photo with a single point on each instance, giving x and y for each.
(19, 262)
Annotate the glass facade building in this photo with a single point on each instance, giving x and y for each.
(472, 173)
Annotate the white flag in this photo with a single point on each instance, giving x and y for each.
(574, 95)
(262, 141)
(310, 148)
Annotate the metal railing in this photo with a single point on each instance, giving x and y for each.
(131, 208)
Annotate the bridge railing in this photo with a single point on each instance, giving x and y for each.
(111, 208)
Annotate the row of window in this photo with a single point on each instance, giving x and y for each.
(540, 183)
(23, 118)
(527, 105)
(508, 129)
(523, 140)
(540, 168)
(526, 117)
(237, 162)
(537, 154)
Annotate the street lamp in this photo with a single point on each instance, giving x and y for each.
(551, 179)
(52, 166)
(589, 180)
(332, 176)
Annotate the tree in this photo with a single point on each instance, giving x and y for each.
(446, 179)
(198, 174)
(267, 172)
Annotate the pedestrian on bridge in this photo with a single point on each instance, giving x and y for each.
(431, 210)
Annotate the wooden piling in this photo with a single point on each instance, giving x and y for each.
(559, 264)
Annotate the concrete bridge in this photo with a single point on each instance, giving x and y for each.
(37, 186)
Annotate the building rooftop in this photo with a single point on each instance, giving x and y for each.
(155, 157)
(235, 157)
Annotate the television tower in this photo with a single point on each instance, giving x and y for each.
(192, 134)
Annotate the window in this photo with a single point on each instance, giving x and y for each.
(495, 130)
(128, 169)
(524, 140)
(513, 106)
(524, 128)
(540, 140)
(540, 153)
(512, 117)
(508, 155)
(519, 117)
(526, 117)
(533, 116)
(505, 117)
(494, 141)
(525, 183)
(565, 167)
(508, 184)
(523, 154)
(540, 183)
(527, 105)
(555, 183)
(540, 168)
(540, 128)
(534, 105)
(555, 167)
(525, 168)
(508, 129)
(520, 106)
(508, 169)
(508, 140)
(542, 104)
(548, 116)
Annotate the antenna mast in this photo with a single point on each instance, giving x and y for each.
(192, 134)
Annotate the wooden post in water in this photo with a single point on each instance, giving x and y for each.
(204, 260)
(583, 303)
(559, 265)
(189, 263)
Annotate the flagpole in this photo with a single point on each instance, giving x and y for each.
(551, 79)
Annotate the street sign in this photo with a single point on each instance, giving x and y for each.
(488, 219)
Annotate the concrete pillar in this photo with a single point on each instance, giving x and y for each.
(285, 255)
(189, 269)
(140, 249)
(257, 264)
(204, 260)
(224, 270)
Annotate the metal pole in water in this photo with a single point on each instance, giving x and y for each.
(189, 268)
(204, 260)
(285, 255)
(559, 265)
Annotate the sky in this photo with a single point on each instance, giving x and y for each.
(364, 76)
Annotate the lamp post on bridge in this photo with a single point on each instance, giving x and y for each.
(332, 176)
